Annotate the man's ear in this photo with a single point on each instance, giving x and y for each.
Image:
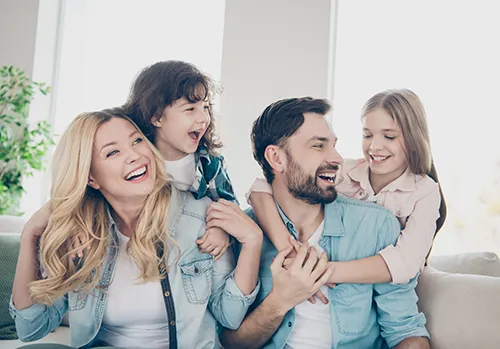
(276, 157)
(92, 183)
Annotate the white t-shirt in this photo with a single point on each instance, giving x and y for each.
(135, 315)
(313, 326)
(181, 172)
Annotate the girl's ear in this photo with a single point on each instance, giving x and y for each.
(276, 158)
(156, 122)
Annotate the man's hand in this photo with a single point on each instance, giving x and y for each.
(305, 276)
(289, 261)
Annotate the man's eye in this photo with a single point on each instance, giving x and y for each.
(318, 146)
(111, 153)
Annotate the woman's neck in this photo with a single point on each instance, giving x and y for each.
(126, 216)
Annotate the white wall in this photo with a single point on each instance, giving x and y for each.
(272, 50)
(18, 20)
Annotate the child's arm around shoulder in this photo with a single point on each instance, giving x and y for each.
(407, 256)
(261, 199)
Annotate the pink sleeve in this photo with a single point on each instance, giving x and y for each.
(259, 185)
(406, 258)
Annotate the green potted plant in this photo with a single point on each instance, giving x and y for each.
(22, 146)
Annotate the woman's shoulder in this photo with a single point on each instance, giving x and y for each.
(183, 202)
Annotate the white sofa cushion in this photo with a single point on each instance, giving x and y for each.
(479, 263)
(463, 311)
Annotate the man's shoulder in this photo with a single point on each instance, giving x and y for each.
(364, 216)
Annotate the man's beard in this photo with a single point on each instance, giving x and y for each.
(305, 187)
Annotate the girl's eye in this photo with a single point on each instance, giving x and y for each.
(138, 140)
(111, 153)
(390, 137)
(367, 136)
(207, 107)
(190, 109)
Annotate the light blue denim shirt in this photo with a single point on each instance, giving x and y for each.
(204, 291)
(362, 315)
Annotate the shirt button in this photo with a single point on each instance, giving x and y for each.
(172, 323)
(167, 294)
(361, 193)
(196, 270)
(289, 324)
(289, 225)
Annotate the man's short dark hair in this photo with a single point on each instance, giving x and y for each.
(278, 122)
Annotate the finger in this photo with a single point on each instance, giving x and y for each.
(215, 223)
(312, 300)
(312, 259)
(215, 215)
(300, 258)
(331, 284)
(321, 297)
(320, 267)
(294, 243)
(202, 239)
(288, 263)
(210, 248)
(215, 252)
(225, 202)
(277, 263)
(324, 278)
(217, 206)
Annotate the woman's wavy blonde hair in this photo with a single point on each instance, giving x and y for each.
(79, 209)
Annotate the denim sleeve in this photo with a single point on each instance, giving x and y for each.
(39, 320)
(398, 314)
(227, 303)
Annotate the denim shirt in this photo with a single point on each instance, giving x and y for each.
(362, 315)
(197, 283)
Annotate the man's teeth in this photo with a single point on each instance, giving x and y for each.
(138, 172)
(328, 176)
(379, 158)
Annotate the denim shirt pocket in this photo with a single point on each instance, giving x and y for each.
(197, 279)
(352, 306)
(77, 300)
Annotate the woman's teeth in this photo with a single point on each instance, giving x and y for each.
(137, 173)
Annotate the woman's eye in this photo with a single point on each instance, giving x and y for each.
(190, 109)
(111, 153)
(390, 137)
(138, 140)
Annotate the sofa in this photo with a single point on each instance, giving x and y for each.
(459, 294)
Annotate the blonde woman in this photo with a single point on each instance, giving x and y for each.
(142, 281)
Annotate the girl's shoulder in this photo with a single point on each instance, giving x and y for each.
(425, 185)
(352, 164)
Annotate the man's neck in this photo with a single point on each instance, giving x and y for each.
(305, 217)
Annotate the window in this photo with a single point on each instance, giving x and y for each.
(445, 52)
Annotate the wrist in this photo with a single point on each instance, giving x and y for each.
(252, 241)
(29, 238)
(277, 304)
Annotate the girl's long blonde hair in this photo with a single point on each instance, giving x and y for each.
(79, 209)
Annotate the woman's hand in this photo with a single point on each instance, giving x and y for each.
(229, 217)
(38, 222)
(215, 242)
